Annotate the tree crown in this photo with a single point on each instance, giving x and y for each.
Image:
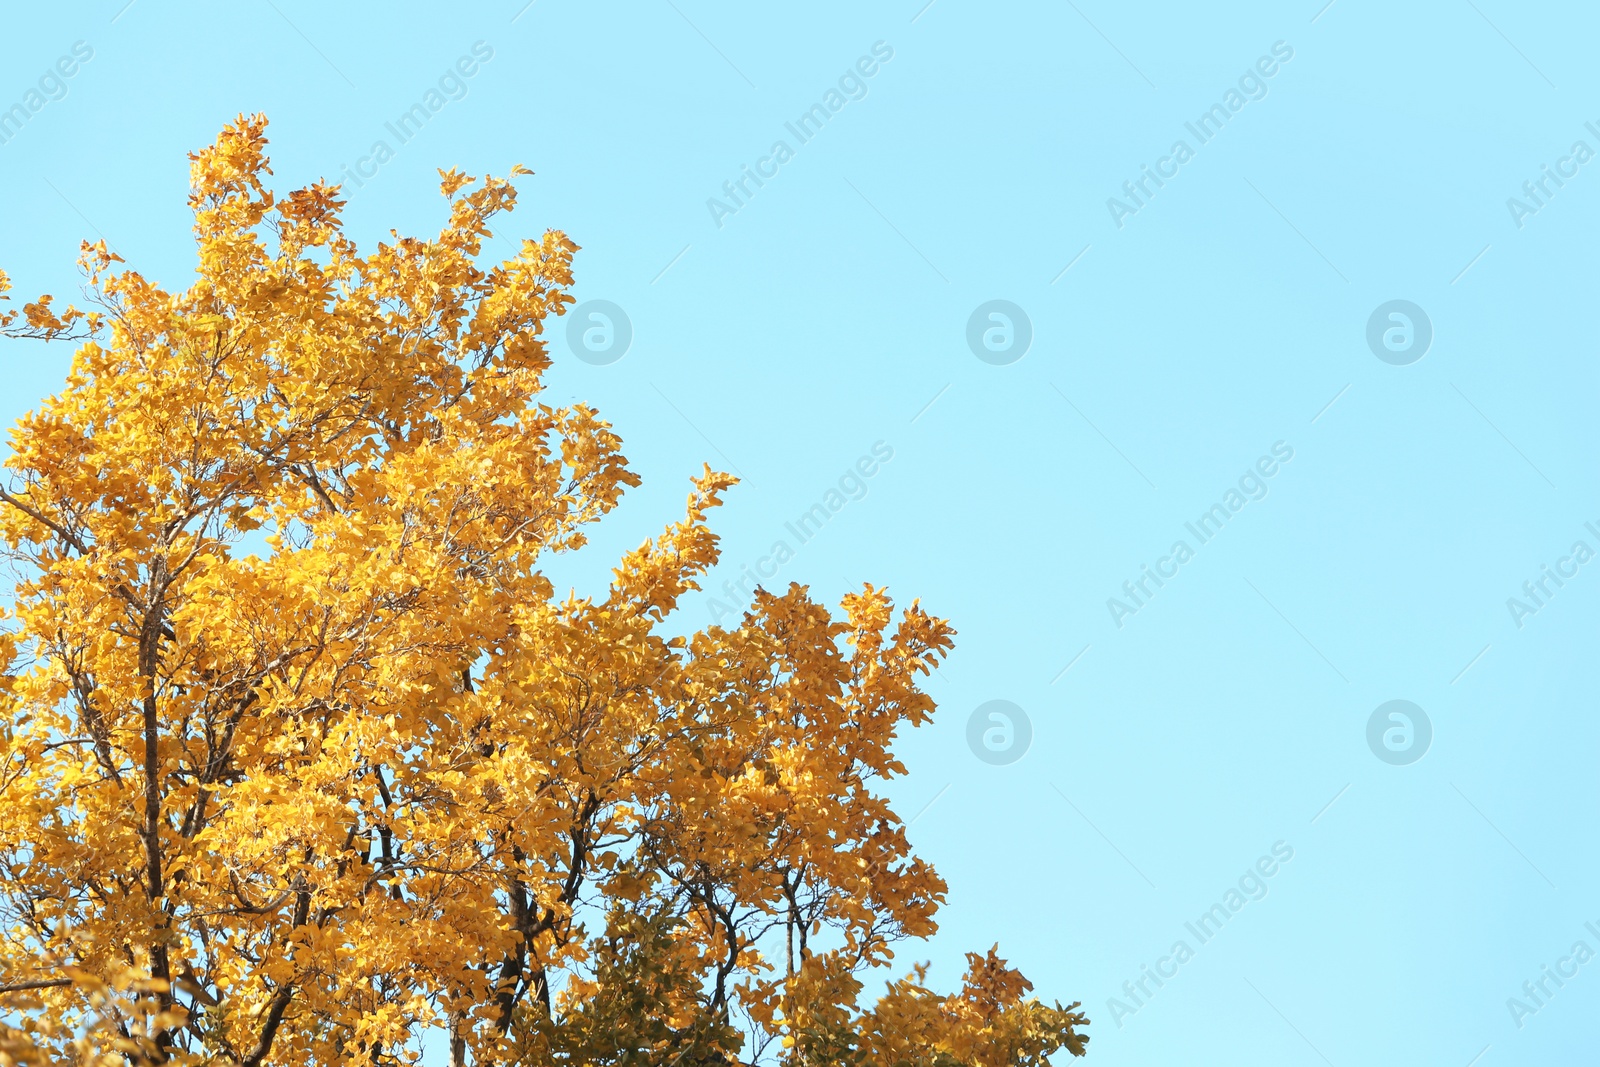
(302, 756)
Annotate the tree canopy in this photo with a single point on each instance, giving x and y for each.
(304, 758)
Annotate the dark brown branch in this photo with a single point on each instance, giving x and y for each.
(281, 998)
(38, 983)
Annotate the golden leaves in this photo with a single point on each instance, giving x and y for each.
(450, 181)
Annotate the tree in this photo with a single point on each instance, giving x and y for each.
(303, 757)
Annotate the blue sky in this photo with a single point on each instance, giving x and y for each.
(1179, 342)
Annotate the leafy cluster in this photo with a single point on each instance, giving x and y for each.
(303, 758)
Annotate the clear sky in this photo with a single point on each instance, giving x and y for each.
(1221, 330)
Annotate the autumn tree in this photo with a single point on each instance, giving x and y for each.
(304, 760)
